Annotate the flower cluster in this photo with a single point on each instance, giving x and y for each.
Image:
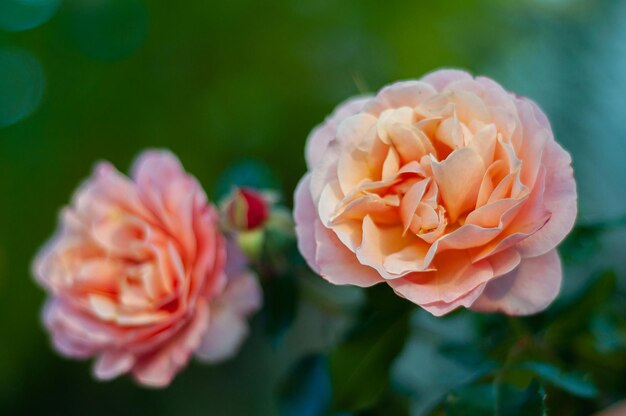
(449, 189)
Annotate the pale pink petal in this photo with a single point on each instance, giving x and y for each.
(112, 364)
(242, 294)
(323, 134)
(400, 94)
(559, 199)
(528, 289)
(535, 137)
(442, 77)
(443, 308)
(305, 216)
(226, 332)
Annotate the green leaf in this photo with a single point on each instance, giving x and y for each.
(306, 391)
(572, 383)
(360, 366)
(496, 399)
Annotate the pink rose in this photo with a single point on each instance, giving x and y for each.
(449, 189)
(136, 274)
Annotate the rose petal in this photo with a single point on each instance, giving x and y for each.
(559, 199)
(442, 77)
(528, 289)
(226, 332)
(459, 195)
(305, 217)
(454, 278)
(112, 364)
(337, 264)
(322, 135)
(158, 368)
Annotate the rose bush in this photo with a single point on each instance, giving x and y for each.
(137, 274)
(450, 189)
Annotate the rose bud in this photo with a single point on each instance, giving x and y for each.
(247, 209)
(140, 277)
(449, 189)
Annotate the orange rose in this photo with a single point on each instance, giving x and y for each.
(136, 275)
(449, 189)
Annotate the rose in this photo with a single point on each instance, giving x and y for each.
(136, 274)
(449, 189)
(246, 209)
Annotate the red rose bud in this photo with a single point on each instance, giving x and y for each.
(247, 209)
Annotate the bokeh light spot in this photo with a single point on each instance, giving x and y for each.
(18, 15)
(109, 29)
(21, 85)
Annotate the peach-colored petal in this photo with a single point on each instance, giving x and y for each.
(494, 174)
(410, 142)
(337, 264)
(410, 202)
(159, 368)
(455, 276)
(441, 308)
(528, 289)
(529, 219)
(484, 141)
(389, 250)
(459, 196)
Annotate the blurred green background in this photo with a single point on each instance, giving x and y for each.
(221, 82)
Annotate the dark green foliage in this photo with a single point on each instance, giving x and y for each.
(360, 364)
(306, 391)
(497, 400)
